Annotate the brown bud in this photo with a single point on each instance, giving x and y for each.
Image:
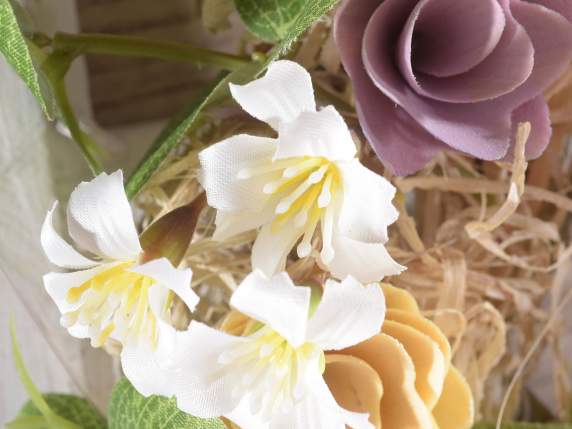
(170, 235)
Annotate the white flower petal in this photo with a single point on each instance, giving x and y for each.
(58, 284)
(58, 251)
(322, 134)
(348, 314)
(202, 386)
(367, 262)
(276, 302)
(221, 164)
(150, 369)
(100, 218)
(79, 331)
(271, 248)
(367, 208)
(279, 96)
(179, 281)
(230, 224)
(356, 420)
(317, 410)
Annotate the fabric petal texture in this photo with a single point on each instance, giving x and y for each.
(221, 164)
(200, 387)
(280, 96)
(148, 368)
(276, 302)
(321, 134)
(368, 262)
(100, 218)
(367, 210)
(348, 314)
(177, 280)
(417, 93)
(58, 251)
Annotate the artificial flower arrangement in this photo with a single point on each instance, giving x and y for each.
(336, 311)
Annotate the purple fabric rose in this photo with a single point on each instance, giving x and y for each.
(430, 75)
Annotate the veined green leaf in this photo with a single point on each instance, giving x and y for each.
(70, 407)
(176, 130)
(269, 19)
(277, 20)
(24, 57)
(130, 410)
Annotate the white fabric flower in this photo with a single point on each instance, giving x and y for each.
(272, 378)
(112, 295)
(308, 176)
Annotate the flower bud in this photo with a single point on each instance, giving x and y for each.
(170, 235)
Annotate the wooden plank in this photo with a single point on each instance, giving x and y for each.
(126, 90)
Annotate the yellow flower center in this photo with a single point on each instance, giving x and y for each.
(304, 194)
(271, 369)
(115, 300)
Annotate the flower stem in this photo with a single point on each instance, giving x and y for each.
(55, 69)
(131, 46)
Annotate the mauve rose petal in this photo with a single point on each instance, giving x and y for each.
(563, 7)
(506, 68)
(451, 37)
(551, 36)
(536, 112)
(472, 128)
(397, 139)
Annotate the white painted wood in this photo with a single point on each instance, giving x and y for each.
(37, 166)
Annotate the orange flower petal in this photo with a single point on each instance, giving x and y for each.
(401, 406)
(428, 360)
(455, 409)
(399, 299)
(424, 325)
(355, 385)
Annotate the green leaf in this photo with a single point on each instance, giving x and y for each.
(130, 410)
(269, 19)
(524, 425)
(24, 57)
(277, 20)
(70, 407)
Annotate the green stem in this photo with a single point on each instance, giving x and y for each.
(130, 46)
(55, 69)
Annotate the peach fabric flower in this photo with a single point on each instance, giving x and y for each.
(402, 377)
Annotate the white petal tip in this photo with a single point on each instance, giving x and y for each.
(304, 249)
(324, 200)
(282, 207)
(301, 219)
(269, 188)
